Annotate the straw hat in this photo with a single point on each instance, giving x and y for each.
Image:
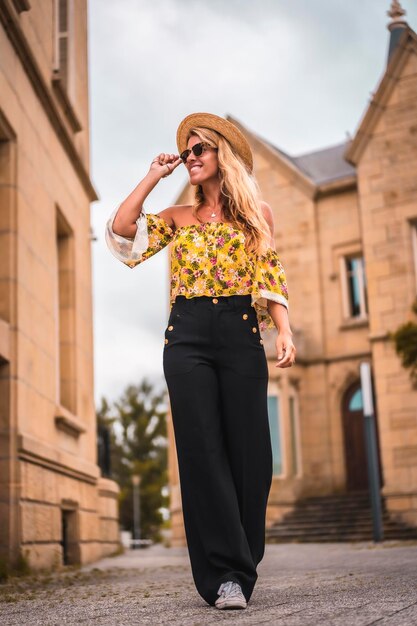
(213, 122)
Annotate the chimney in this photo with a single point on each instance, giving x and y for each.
(396, 26)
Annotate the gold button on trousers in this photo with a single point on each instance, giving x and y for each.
(217, 376)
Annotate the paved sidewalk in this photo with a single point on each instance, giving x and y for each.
(298, 585)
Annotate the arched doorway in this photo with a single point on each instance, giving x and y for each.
(354, 439)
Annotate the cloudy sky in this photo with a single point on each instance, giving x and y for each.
(298, 73)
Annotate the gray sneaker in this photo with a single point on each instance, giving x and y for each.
(231, 596)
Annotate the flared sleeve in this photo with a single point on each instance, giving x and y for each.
(270, 284)
(152, 234)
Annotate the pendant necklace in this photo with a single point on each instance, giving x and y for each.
(213, 214)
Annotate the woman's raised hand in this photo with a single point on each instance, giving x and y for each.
(165, 164)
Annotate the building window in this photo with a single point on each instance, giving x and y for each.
(70, 541)
(295, 434)
(414, 243)
(355, 298)
(21, 5)
(62, 40)
(275, 430)
(355, 402)
(65, 304)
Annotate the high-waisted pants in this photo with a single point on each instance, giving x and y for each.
(216, 372)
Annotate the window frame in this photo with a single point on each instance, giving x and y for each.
(413, 227)
(21, 5)
(274, 391)
(295, 433)
(346, 301)
(66, 78)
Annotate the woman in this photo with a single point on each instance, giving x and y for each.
(226, 283)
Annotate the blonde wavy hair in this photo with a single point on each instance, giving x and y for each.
(239, 192)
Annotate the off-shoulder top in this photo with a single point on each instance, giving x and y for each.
(207, 259)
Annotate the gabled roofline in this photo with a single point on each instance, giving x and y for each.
(305, 183)
(339, 185)
(380, 98)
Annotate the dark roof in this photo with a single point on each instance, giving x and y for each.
(322, 166)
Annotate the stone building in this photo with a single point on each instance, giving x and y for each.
(346, 232)
(54, 505)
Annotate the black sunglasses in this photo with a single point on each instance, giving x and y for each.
(197, 150)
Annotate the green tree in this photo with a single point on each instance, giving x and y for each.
(138, 445)
(405, 341)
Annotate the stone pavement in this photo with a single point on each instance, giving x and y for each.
(298, 585)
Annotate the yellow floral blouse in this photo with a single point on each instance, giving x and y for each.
(206, 260)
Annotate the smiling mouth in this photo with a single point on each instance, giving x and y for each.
(195, 168)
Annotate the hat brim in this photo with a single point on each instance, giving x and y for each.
(225, 128)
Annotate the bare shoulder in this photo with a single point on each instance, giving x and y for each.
(177, 215)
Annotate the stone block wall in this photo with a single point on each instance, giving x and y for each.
(49, 479)
(387, 170)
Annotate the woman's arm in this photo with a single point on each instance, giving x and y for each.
(133, 236)
(285, 348)
(124, 223)
(279, 313)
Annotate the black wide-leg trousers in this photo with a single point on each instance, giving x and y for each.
(216, 372)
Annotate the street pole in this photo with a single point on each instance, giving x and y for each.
(371, 452)
(136, 508)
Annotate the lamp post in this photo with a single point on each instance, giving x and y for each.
(136, 509)
(371, 451)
